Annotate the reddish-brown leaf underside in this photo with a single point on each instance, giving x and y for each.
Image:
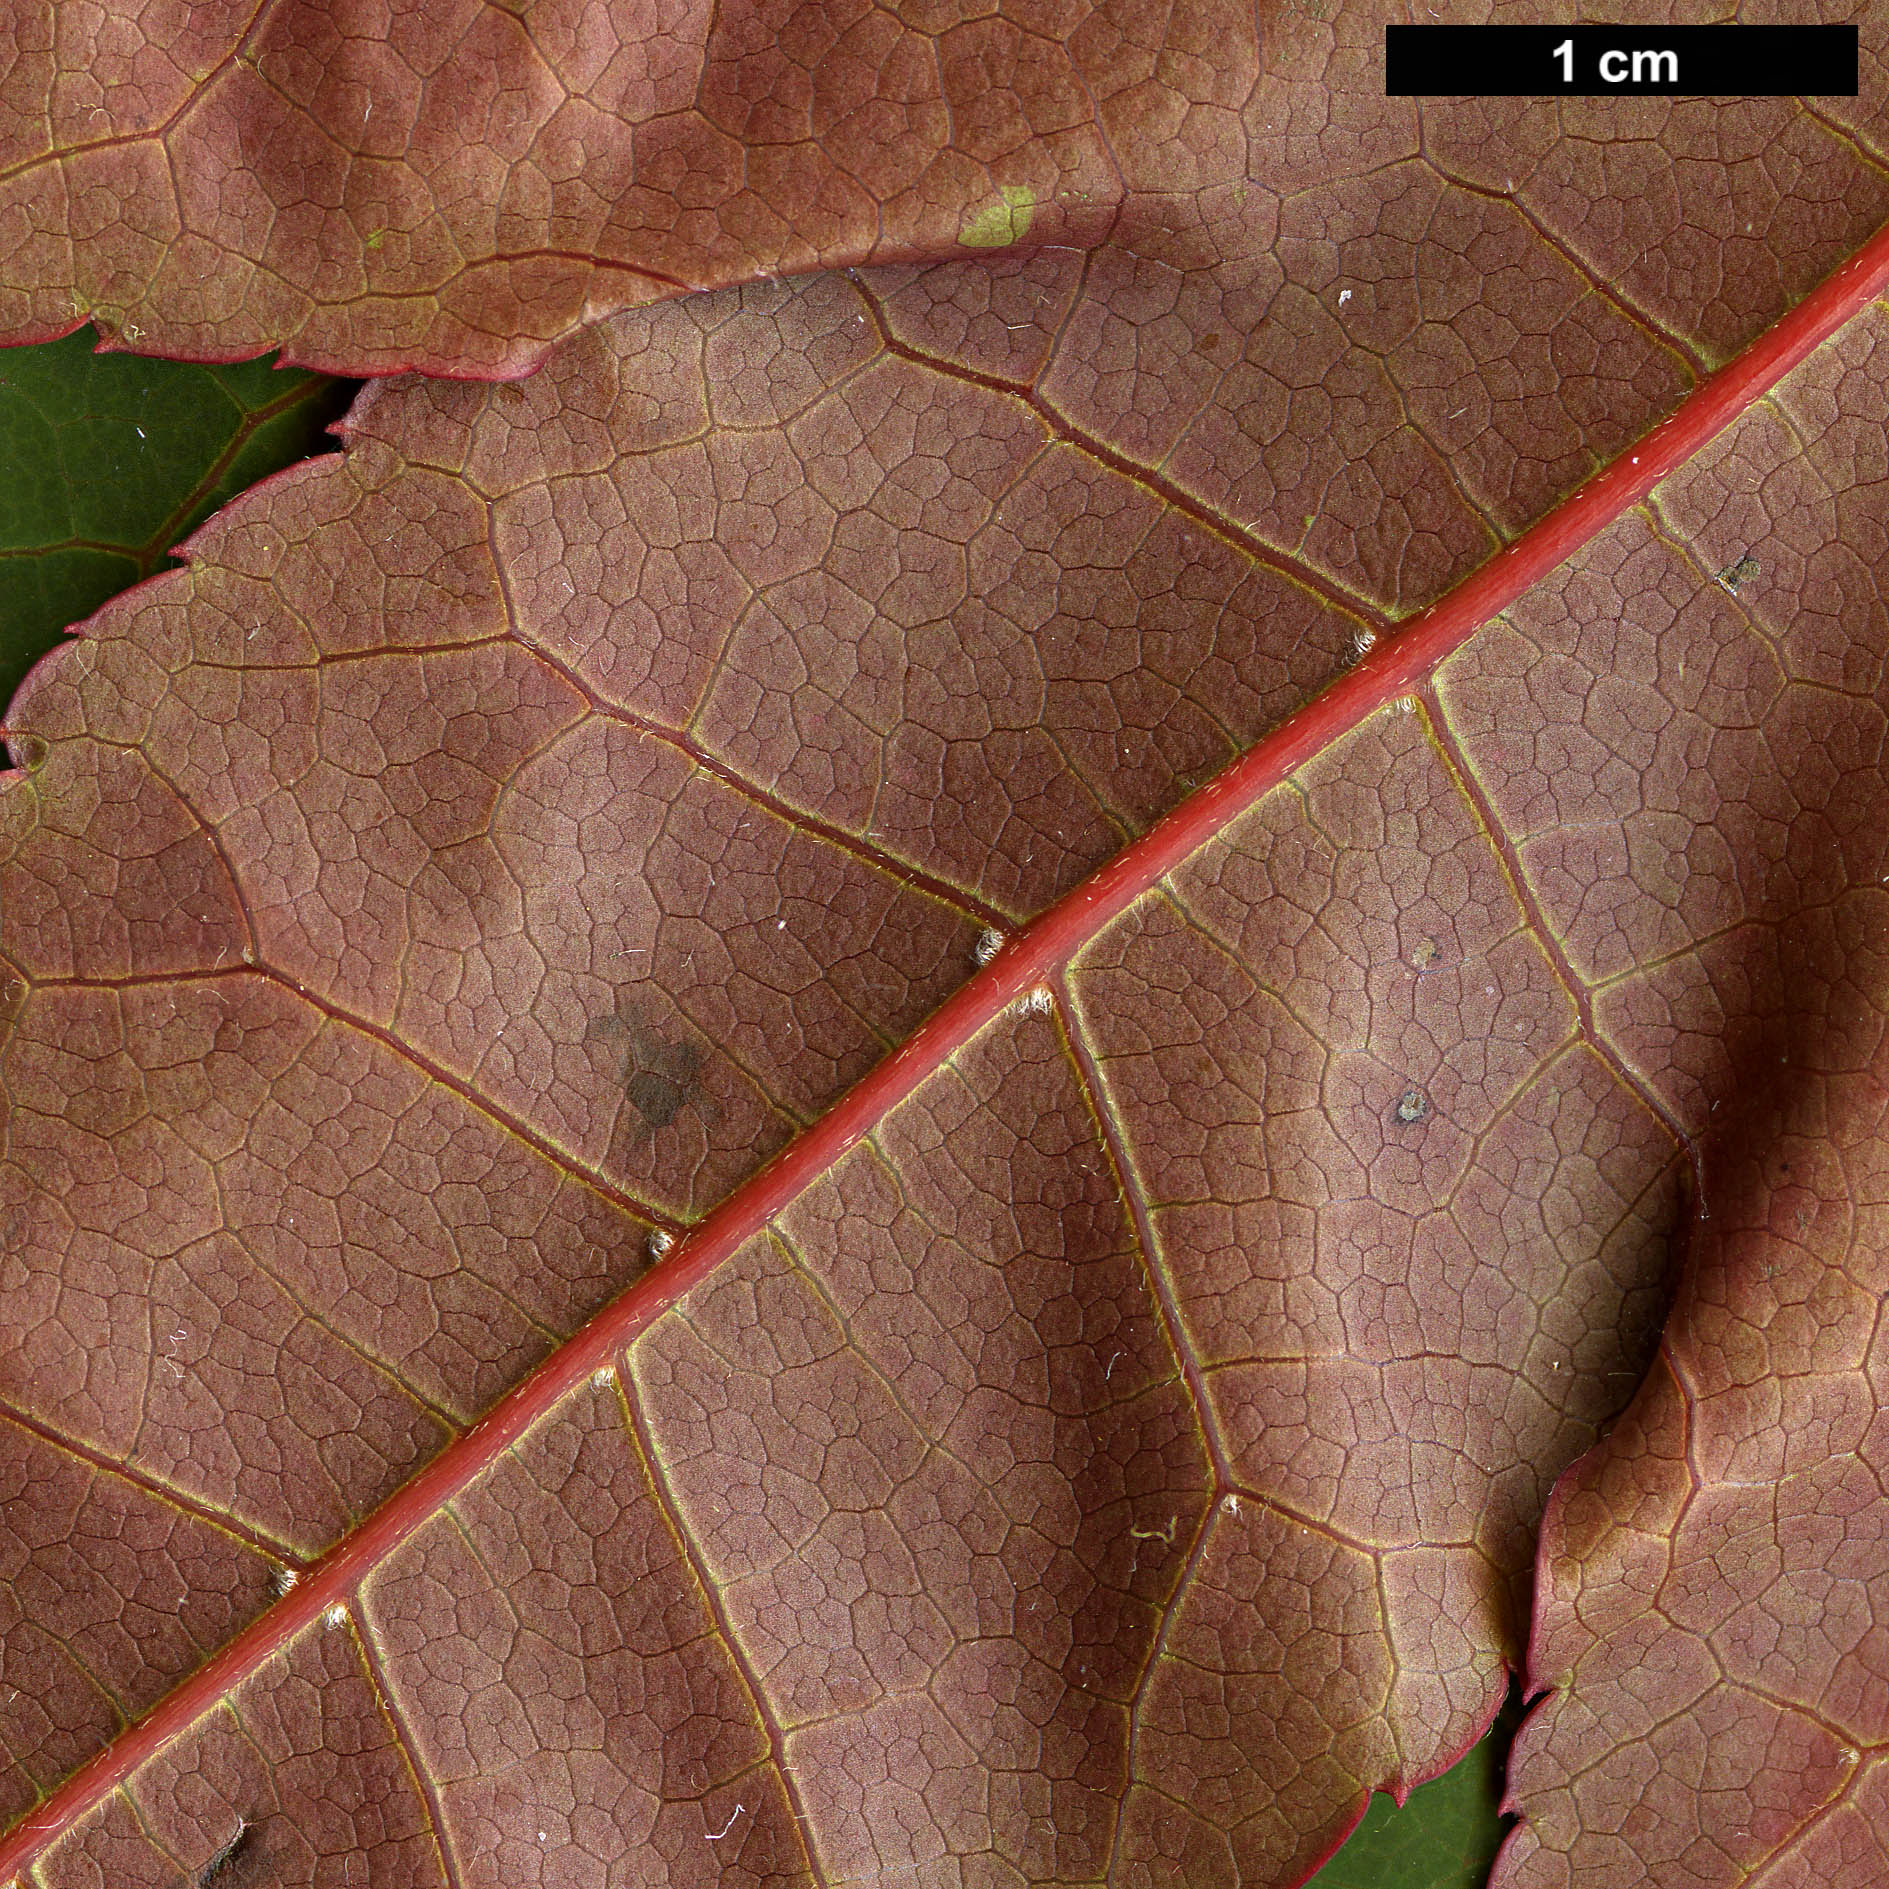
(451, 185)
(1713, 1584)
(1111, 1436)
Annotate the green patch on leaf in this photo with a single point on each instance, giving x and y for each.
(113, 458)
(1003, 222)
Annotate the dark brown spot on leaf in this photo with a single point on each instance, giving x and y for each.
(659, 1074)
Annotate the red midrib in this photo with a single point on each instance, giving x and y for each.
(1394, 666)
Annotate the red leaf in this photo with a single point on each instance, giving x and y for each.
(1108, 1436)
(1711, 1575)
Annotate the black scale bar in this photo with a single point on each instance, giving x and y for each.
(1620, 61)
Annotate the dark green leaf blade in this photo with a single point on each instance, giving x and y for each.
(1444, 1837)
(111, 459)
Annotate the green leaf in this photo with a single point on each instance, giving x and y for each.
(111, 459)
(1444, 1837)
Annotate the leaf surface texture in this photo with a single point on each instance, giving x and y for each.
(1111, 1436)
